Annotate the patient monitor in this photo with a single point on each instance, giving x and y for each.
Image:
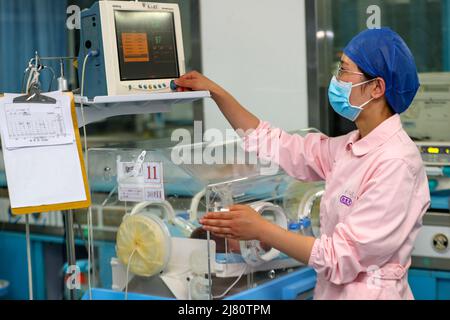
(428, 117)
(133, 48)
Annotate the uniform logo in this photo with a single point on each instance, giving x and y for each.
(347, 197)
(346, 201)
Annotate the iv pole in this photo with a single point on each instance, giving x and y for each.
(34, 72)
(70, 249)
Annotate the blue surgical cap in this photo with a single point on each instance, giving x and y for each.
(383, 53)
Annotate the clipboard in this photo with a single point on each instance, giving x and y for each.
(36, 98)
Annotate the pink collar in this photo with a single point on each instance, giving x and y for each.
(378, 137)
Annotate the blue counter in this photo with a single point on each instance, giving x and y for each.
(429, 284)
(288, 287)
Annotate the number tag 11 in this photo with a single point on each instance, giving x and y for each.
(153, 181)
(145, 184)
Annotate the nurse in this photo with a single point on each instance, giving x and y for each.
(376, 186)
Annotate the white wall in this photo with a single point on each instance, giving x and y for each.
(256, 49)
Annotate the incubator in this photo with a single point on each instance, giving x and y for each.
(148, 198)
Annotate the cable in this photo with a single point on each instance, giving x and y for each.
(53, 76)
(86, 159)
(128, 271)
(90, 252)
(89, 215)
(234, 283)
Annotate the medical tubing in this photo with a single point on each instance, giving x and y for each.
(168, 209)
(86, 159)
(193, 210)
(234, 284)
(128, 272)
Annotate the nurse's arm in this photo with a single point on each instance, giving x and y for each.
(239, 117)
(294, 245)
(307, 159)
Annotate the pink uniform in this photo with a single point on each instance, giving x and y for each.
(375, 198)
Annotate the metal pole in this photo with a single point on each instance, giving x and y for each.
(70, 246)
(30, 270)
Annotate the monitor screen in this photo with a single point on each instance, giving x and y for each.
(147, 46)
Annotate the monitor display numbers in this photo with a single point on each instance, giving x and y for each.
(435, 154)
(435, 150)
(135, 47)
(147, 45)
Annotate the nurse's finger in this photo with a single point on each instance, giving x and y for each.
(219, 215)
(218, 230)
(221, 235)
(238, 207)
(190, 75)
(186, 83)
(216, 223)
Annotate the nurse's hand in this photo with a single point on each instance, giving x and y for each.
(196, 82)
(239, 117)
(240, 223)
